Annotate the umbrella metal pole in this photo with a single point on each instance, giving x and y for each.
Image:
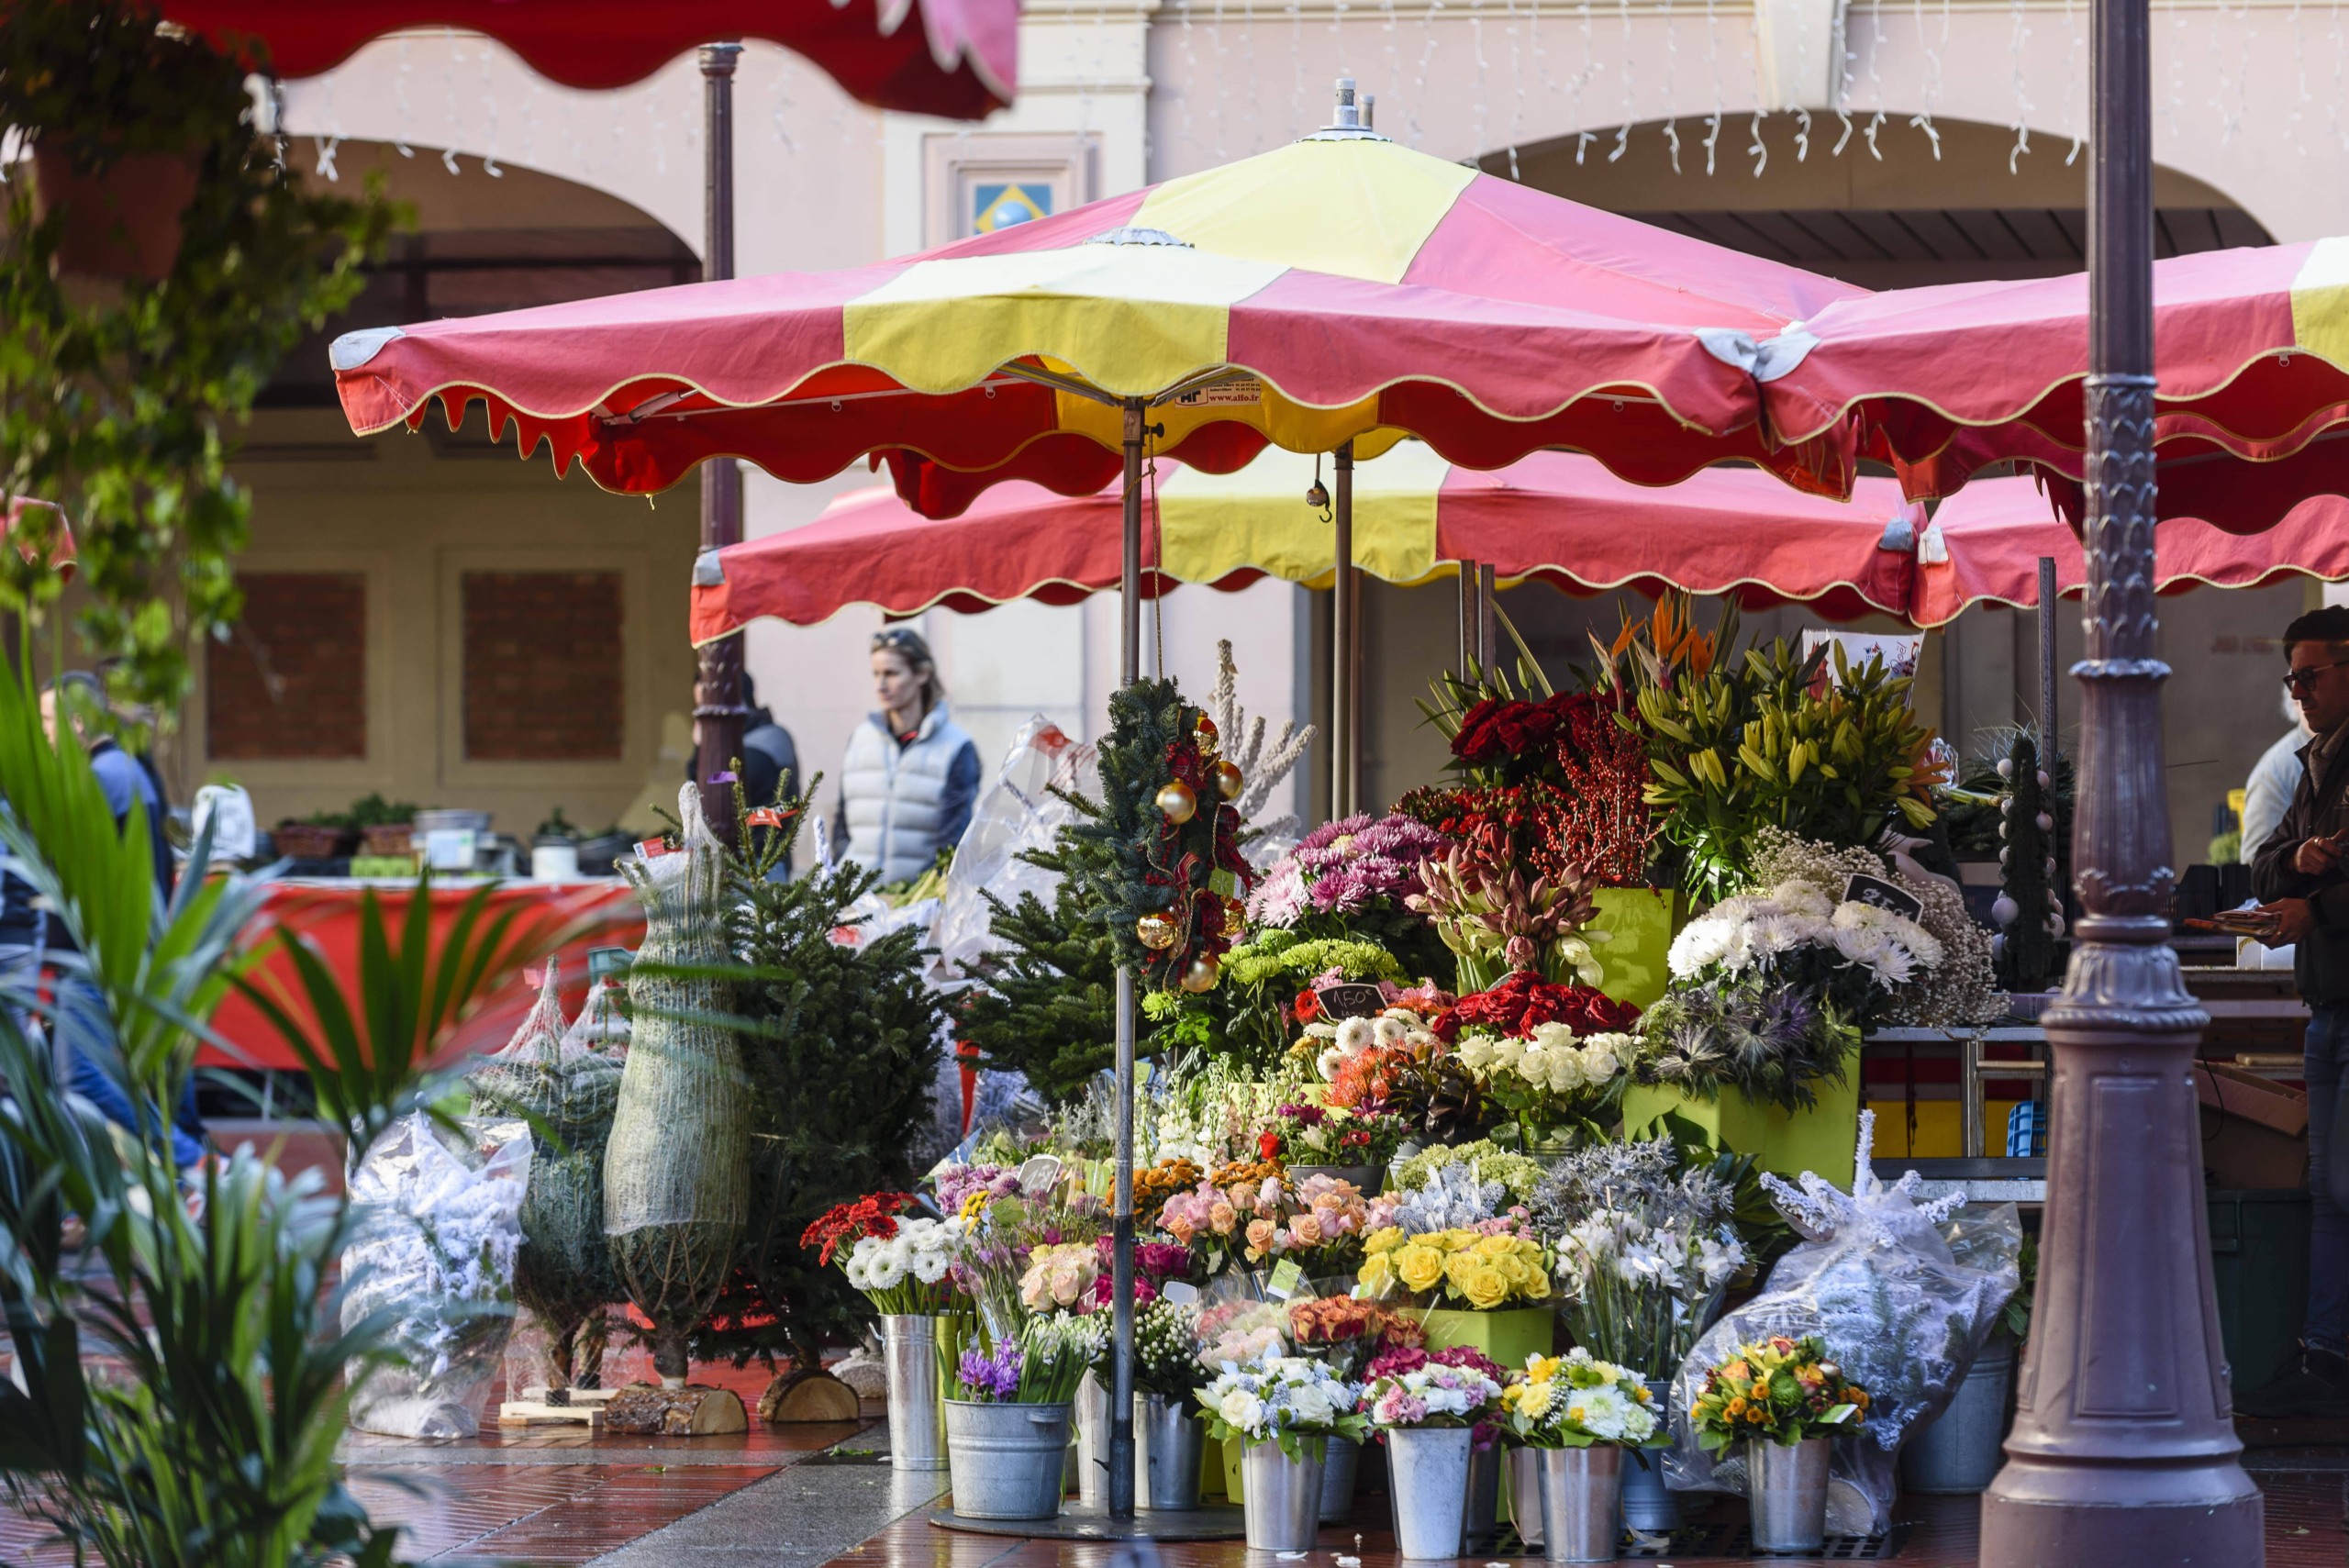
(718, 688)
(2047, 727)
(1350, 640)
(1468, 641)
(1488, 639)
(1121, 1381)
(1341, 696)
(2123, 1448)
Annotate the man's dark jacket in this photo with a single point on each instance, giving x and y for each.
(2319, 808)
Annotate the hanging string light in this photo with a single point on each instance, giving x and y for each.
(1924, 120)
(2017, 35)
(781, 112)
(1713, 67)
(2072, 77)
(1671, 81)
(1630, 102)
(1222, 80)
(1583, 138)
(489, 104)
(1875, 80)
(1760, 152)
(1427, 53)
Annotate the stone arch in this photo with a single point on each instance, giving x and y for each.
(1896, 218)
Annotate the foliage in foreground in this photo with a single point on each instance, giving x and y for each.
(207, 1440)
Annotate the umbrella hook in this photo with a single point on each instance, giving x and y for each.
(1319, 497)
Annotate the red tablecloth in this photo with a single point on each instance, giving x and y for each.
(598, 914)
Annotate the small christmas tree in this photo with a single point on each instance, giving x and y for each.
(1046, 1008)
(2030, 910)
(840, 1044)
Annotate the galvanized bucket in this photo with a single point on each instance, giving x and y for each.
(1649, 1505)
(1427, 1478)
(1338, 1479)
(1007, 1460)
(1092, 1442)
(1481, 1524)
(1786, 1488)
(1169, 1435)
(917, 1413)
(1525, 1495)
(1582, 1501)
(1284, 1503)
(1958, 1452)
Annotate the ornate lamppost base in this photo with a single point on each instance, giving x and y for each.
(2144, 1517)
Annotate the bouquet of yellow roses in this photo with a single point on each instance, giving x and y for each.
(1778, 1390)
(1483, 1271)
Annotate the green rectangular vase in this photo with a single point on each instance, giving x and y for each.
(1786, 1143)
(1639, 923)
(1509, 1337)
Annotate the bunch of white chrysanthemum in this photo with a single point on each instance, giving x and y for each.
(908, 1273)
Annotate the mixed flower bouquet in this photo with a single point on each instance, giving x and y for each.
(1551, 1056)
(1295, 1401)
(1432, 1394)
(1461, 1268)
(1398, 1033)
(1212, 1218)
(1042, 1365)
(1242, 1329)
(901, 1265)
(1456, 1197)
(1777, 1390)
(1259, 1217)
(1398, 1361)
(1644, 1249)
(1575, 1401)
(1848, 953)
(1345, 868)
(1304, 1134)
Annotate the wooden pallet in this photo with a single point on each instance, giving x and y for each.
(539, 1413)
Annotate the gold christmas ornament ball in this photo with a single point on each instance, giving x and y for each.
(1205, 735)
(1156, 931)
(1229, 779)
(1178, 801)
(1235, 918)
(1202, 975)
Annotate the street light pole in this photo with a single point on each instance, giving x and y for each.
(718, 686)
(2123, 1449)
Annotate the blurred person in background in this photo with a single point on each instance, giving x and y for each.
(911, 776)
(770, 767)
(79, 699)
(2273, 778)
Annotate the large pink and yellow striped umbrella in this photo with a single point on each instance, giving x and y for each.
(1340, 288)
(2251, 348)
(1554, 517)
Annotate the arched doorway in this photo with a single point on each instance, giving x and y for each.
(427, 617)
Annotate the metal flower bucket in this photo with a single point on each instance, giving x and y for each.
(1171, 1436)
(1284, 1502)
(1582, 1491)
(917, 1413)
(1786, 1488)
(1427, 1468)
(1007, 1460)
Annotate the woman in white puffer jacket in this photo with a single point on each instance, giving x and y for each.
(911, 774)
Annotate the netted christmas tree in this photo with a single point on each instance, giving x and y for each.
(840, 1041)
(2030, 910)
(568, 1090)
(677, 1175)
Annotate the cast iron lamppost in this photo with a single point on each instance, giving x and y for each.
(718, 686)
(2123, 1449)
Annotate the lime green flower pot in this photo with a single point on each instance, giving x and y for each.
(1786, 1143)
(1639, 923)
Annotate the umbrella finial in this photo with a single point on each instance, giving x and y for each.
(1352, 120)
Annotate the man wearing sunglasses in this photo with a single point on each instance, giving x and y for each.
(2301, 875)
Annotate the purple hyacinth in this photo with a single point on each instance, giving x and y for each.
(991, 1379)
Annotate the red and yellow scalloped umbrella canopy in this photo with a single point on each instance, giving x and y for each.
(2250, 348)
(1340, 288)
(1556, 516)
(956, 58)
(1986, 543)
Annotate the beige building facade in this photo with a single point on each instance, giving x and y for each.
(1893, 145)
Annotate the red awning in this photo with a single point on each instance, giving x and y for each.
(1554, 517)
(1987, 540)
(955, 58)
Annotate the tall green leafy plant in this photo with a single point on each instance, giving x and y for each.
(118, 405)
(841, 1042)
(208, 1442)
(1768, 740)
